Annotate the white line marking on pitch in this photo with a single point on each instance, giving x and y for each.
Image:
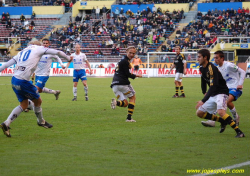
(225, 168)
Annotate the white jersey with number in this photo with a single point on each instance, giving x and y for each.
(230, 73)
(27, 60)
(79, 60)
(44, 65)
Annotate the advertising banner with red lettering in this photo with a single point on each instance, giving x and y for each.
(108, 71)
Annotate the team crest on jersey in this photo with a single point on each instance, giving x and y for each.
(208, 74)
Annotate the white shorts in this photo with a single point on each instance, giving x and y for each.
(123, 92)
(215, 103)
(178, 77)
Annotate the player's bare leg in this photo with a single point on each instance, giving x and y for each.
(75, 91)
(84, 82)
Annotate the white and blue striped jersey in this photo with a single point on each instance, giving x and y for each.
(44, 65)
(79, 60)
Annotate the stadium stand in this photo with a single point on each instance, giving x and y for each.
(203, 32)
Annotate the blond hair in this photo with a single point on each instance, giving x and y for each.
(131, 47)
(35, 42)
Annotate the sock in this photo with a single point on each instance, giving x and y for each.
(120, 103)
(182, 91)
(230, 121)
(176, 90)
(131, 107)
(234, 113)
(213, 117)
(50, 91)
(13, 115)
(39, 115)
(86, 90)
(31, 105)
(75, 91)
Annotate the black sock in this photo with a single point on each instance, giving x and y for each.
(131, 107)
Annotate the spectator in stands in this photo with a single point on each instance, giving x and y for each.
(33, 16)
(164, 48)
(104, 12)
(77, 19)
(97, 12)
(7, 16)
(113, 50)
(100, 54)
(8, 24)
(22, 19)
(66, 4)
(3, 19)
(194, 45)
(32, 23)
(96, 53)
(145, 50)
(101, 66)
(116, 13)
(1, 3)
(93, 13)
(45, 2)
(109, 43)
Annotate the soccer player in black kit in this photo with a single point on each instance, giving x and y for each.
(180, 65)
(215, 99)
(121, 85)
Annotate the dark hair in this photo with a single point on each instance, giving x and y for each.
(204, 53)
(221, 54)
(45, 39)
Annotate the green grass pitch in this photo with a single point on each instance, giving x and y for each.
(89, 138)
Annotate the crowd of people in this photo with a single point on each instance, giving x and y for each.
(18, 29)
(207, 27)
(146, 27)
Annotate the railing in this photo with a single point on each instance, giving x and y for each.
(11, 41)
(233, 39)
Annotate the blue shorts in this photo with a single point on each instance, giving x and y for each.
(236, 93)
(24, 89)
(79, 74)
(41, 81)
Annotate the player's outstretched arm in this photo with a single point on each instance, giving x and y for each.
(57, 52)
(9, 63)
(60, 61)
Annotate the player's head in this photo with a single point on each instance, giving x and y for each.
(177, 49)
(77, 48)
(131, 51)
(219, 57)
(35, 42)
(203, 56)
(46, 42)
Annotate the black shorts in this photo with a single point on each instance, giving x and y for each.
(136, 67)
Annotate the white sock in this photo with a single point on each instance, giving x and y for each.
(13, 115)
(39, 115)
(86, 90)
(31, 105)
(234, 113)
(50, 91)
(75, 91)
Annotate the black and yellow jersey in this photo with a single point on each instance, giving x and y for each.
(122, 72)
(179, 63)
(211, 76)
